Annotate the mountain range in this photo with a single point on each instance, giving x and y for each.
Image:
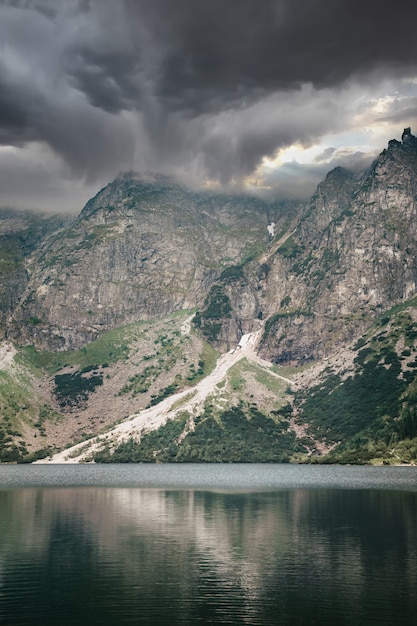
(168, 324)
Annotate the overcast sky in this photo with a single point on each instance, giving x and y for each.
(267, 94)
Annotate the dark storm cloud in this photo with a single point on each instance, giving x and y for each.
(14, 124)
(45, 8)
(106, 78)
(38, 101)
(203, 87)
(233, 146)
(217, 52)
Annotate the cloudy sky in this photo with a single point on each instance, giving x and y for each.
(253, 94)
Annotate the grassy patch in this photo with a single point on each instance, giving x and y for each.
(235, 378)
(113, 346)
(19, 408)
(290, 249)
(16, 400)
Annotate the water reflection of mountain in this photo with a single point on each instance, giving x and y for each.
(332, 550)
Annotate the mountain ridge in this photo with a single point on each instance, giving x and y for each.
(309, 279)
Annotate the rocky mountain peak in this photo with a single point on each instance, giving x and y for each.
(393, 175)
(338, 174)
(145, 246)
(337, 187)
(332, 197)
(408, 140)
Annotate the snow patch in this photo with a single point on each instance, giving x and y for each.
(271, 229)
(244, 340)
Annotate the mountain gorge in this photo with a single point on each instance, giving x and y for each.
(129, 304)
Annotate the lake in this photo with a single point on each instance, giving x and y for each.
(207, 544)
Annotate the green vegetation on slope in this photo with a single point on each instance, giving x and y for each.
(290, 249)
(73, 388)
(230, 428)
(338, 409)
(240, 434)
(369, 413)
(20, 408)
(143, 363)
(216, 308)
(111, 347)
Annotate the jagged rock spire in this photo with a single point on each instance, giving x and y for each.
(406, 133)
(408, 139)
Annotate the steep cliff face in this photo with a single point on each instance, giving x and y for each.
(346, 264)
(20, 234)
(140, 249)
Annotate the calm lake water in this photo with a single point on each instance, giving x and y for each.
(207, 544)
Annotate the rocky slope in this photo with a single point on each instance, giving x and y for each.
(94, 310)
(139, 250)
(357, 406)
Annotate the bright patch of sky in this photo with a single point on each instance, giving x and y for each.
(373, 122)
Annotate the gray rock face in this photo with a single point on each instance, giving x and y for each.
(20, 234)
(139, 250)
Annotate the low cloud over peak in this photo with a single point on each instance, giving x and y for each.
(202, 90)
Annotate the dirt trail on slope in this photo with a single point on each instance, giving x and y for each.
(191, 400)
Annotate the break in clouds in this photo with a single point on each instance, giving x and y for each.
(205, 91)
